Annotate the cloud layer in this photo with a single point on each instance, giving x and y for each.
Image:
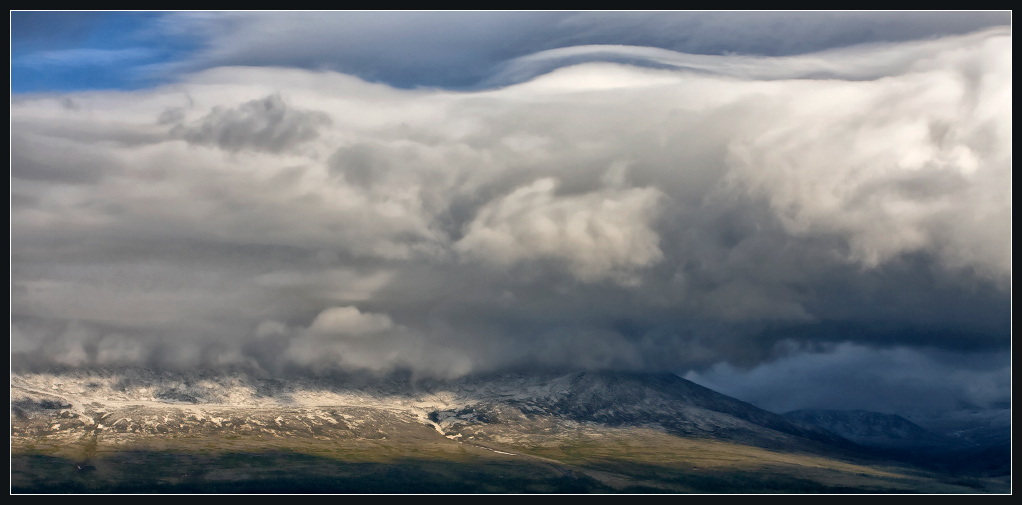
(597, 215)
(465, 50)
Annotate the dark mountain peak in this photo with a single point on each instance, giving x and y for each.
(878, 420)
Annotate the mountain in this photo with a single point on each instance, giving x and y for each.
(872, 429)
(122, 402)
(966, 442)
(661, 400)
(588, 431)
(972, 424)
(475, 404)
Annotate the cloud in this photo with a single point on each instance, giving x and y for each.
(348, 321)
(464, 49)
(37, 159)
(600, 234)
(599, 215)
(451, 50)
(849, 376)
(884, 175)
(261, 125)
(845, 63)
(359, 164)
(82, 57)
(349, 338)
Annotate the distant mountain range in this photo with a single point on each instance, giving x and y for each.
(873, 429)
(971, 441)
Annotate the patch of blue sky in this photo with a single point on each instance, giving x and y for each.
(74, 51)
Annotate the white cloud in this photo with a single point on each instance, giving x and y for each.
(349, 322)
(603, 234)
(895, 165)
(463, 48)
(82, 57)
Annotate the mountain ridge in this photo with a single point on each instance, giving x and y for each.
(596, 430)
(665, 400)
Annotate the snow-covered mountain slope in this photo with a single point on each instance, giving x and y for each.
(139, 430)
(127, 403)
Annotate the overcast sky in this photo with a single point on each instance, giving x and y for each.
(798, 209)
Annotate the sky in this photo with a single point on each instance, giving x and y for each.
(799, 209)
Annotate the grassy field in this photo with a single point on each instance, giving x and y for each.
(239, 465)
(654, 458)
(422, 461)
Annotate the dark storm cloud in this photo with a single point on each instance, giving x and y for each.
(728, 221)
(849, 376)
(266, 124)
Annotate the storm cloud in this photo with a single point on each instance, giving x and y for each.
(711, 214)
